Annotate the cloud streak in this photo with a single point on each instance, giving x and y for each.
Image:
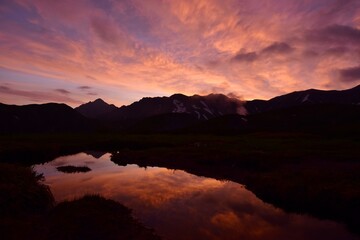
(62, 91)
(84, 87)
(59, 95)
(350, 74)
(278, 48)
(335, 34)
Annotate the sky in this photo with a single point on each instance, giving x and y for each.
(122, 50)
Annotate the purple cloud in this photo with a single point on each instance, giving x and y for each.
(87, 90)
(91, 77)
(335, 34)
(62, 91)
(84, 88)
(350, 74)
(245, 57)
(38, 96)
(278, 48)
(4, 89)
(275, 48)
(105, 29)
(337, 51)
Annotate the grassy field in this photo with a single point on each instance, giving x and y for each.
(299, 172)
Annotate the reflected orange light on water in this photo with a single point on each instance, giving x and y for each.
(179, 205)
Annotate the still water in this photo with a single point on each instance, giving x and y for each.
(179, 205)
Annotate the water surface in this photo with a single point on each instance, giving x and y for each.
(179, 205)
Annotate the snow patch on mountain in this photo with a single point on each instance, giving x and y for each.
(206, 108)
(179, 107)
(209, 111)
(241, 110)
(306, 98)
(198, 114)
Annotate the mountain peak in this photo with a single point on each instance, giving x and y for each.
(99, 100)
(178, 95)
(197, 107)
(96, 108)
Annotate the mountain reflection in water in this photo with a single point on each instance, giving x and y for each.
(179, 205)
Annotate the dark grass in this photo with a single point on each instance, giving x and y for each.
(24, 199)
(27, 211)
(22, 191)
(29, 149)
(73, 169)
(94, 217)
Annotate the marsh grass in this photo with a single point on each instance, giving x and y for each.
(94, 217)
(22, 191)
(27, 211)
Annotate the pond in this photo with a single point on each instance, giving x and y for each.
(179, 205)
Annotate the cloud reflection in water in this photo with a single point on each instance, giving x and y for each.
(179, 205)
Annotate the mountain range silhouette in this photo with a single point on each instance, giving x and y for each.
(297, 111)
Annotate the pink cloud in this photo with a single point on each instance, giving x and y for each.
(161, 46)
(59, 95)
